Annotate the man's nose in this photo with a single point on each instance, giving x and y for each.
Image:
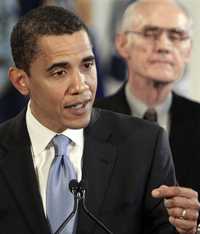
(78, 83)
(163, 44)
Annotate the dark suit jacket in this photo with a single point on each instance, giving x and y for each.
(184, 134)
(124, 159)
(11, 103)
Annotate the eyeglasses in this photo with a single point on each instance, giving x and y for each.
(154, 33)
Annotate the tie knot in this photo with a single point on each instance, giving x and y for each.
(60, 143)
(150, 115)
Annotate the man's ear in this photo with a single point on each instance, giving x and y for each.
(121, 43)
(19, 79)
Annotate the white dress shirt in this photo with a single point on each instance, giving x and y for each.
(43, 151)
(138, 108)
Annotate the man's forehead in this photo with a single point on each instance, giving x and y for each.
(161, 14)
(68, 44)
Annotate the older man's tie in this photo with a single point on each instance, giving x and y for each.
(150, 115)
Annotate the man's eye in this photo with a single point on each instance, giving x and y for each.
(88, 65)
(175, 35)
(59, 73)
(150, 33)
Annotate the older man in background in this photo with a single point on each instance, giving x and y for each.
(154, 38)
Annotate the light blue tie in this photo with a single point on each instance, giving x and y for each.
(60, 200)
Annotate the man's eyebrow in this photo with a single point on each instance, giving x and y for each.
(154, 27)
(59, 64)
(89, 58)
(65, 64)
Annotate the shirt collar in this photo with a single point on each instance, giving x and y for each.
(41, 136)
(138, 108)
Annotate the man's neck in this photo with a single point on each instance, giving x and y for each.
(149, 91)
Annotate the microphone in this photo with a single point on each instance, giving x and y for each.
(74, 188)
(82, 191)
(79, 190)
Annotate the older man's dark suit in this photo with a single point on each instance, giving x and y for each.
(124, 159)
(184, 134)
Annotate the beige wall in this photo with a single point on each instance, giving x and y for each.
(194, 68)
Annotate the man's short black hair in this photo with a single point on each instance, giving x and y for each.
(42, 21)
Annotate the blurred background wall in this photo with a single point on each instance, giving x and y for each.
(194, 68)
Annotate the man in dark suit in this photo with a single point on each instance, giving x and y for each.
(122, 159)
(156, 47)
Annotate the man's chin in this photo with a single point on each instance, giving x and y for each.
(162, 79)
(79, 122)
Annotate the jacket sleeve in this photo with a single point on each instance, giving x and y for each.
(162, 173)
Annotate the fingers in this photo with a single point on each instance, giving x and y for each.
(182, 206)
(182, 202)
(183, 226)
(178, 213)
(165, 191)
(193, 231)
(185, 220)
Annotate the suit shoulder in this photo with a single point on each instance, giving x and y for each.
(6, 125)
(124, 124)
(106, 102)
(116, 102)
(186, 103)
(10, 127)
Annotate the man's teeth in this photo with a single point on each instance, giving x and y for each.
(77, 106)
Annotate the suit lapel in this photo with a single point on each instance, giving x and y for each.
(98, 161)
(17, 167)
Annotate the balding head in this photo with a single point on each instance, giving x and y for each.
(137, 11)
